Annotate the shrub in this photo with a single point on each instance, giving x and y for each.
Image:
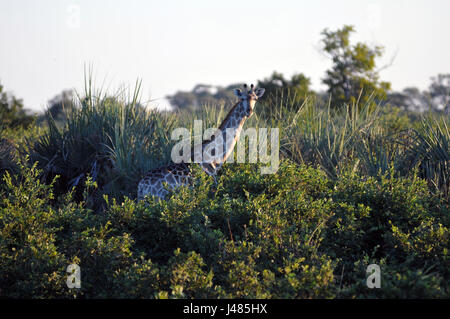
(113, 140)
(349, 192)
(296, 234)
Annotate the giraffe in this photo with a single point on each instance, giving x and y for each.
(213, 152)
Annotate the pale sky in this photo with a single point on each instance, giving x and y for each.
(174, 45)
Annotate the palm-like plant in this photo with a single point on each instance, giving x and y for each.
(112, 139)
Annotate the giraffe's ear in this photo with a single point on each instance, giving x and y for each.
(237, 92)
(259, 92)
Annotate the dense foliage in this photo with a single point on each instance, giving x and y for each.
(12, 112)
(354, 188)
(295, 234)
(353, 75)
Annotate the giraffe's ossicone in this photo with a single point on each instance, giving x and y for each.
(176, 175)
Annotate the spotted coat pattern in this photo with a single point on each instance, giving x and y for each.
(158, 182)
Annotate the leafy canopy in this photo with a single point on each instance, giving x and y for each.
(353, 75)
(12, 113)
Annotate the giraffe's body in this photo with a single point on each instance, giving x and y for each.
(224, 140)
(174, 175)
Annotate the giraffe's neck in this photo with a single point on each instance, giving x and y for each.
(220, 147)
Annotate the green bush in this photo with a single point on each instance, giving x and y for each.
(112, 139)
(352, 189)
(295, 234)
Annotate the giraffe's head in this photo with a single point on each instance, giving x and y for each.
(249, 97)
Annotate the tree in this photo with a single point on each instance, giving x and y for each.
(409, 99)
(12, 113)
(183, 100)
(60, 104)
(292, 92)
(203, 94)
(353, 74)
(436, 98)
(439, 91)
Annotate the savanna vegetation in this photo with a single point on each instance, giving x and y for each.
(361, 181)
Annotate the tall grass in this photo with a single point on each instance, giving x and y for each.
(431, 153)
(112, 139)
(366, 138)
(115, 140)
(323, 136)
